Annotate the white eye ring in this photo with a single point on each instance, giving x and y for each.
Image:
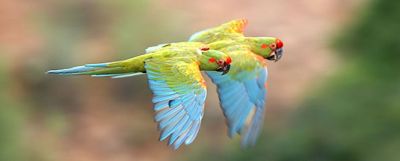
(272, 46)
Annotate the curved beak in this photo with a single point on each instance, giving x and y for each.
(224, 68)
(278, 53)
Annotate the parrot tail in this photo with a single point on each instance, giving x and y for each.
(113, 70)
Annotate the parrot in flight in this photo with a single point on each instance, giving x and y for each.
(242, 91)
(173, 72)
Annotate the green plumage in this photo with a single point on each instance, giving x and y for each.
(136, 64)
(184, 51)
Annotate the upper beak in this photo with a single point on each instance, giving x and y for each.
(224, 68)
(278, 53)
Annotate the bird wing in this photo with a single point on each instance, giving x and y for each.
(242, 94)
(227, 30)
(179, 94)
(174, 46)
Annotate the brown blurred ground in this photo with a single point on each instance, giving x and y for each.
(112, 119)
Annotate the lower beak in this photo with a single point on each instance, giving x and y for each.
(224, 68)
(278, 53)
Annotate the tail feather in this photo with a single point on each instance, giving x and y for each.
(99, 65)
(72, 71)
(124, 75)
(105, 75)
(96, 70)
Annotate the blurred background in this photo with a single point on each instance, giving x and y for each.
(335, 95)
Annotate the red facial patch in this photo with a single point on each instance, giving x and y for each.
(264, 46)
(279, 43)
(211, 60)
(228, 60)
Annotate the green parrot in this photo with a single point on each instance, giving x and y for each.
(242, 91)
(174, 76)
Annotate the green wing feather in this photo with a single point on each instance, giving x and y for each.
(229, 30)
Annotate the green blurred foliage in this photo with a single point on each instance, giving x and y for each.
(355, 116)
(11, 122)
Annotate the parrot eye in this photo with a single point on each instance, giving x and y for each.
(273, 46)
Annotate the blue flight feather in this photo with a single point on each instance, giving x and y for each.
(238, 97)
(166, 113)
(178, 110)
(182, 125)
(71, 71)
(99, 65)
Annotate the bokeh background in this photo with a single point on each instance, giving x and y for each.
(335, 95)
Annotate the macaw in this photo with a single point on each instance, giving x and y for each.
(174, 76)
(242, 91)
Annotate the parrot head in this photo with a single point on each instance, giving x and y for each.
(214, 60)
(270, 48)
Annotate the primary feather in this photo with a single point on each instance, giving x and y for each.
(179, 95)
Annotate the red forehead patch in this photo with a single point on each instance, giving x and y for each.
(228, 60)
(279, 43)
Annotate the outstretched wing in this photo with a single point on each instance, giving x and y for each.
(242, 95)
(229, 30)
(179, 95)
